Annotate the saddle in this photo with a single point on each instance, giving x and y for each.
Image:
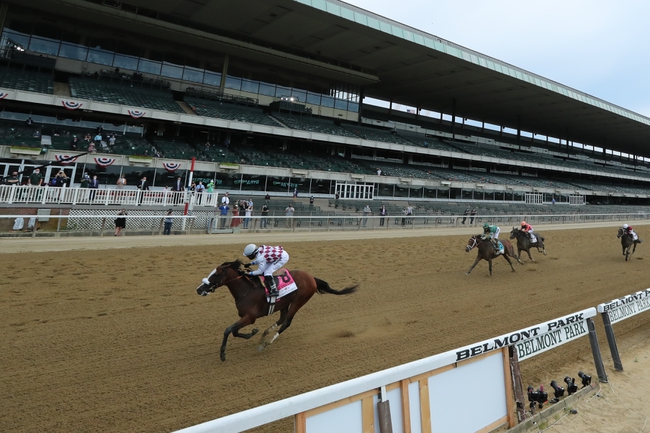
(284, 282)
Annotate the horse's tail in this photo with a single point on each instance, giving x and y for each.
(323, 287)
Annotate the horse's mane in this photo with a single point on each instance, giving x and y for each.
(234, 265)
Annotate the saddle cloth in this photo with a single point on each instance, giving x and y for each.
(284, 281)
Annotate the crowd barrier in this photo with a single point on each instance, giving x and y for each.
(431, 394)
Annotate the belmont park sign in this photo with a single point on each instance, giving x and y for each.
(536, 339)
(627, 306)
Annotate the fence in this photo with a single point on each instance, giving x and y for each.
(46, 195)
(427, 395)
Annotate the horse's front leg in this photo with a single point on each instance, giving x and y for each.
(529, 256)
(473, 266)
(234, 330)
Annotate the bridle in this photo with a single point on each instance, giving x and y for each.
(472, 243)
(211, 287)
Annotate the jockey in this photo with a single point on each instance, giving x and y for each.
(628, 230)
(268, 260)
(528, 229)
(492, 233)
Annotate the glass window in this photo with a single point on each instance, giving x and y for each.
(193, 74)
(347, 14)
(373, 22)
(327, 101)
(101, 57)
(45, 46)
(73, 51)
(353, 106)
(333, 8)
(300, 94)
(341, 104)
(149, 67)
(313, 98)
(396, 31)
(361, 18)
(320, 186)
(267, 89)
(281, 91)
(172, 71)
(125, 62)
(277, 183)
(233, 83)
(250, 86)
(212, 78)
(17, 38)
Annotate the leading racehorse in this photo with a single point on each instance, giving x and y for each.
(251, 301)
(525, 244)
(627, 243)
(487, 252)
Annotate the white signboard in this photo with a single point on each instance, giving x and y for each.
(536, 339)
(627, 306)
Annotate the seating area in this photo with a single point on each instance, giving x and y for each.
(373, 134)
(312, 124)
(229, 111)
(30, 81)
(113, 93)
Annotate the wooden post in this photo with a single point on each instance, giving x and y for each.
(517, 385)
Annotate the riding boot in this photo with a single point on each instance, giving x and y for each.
(270, 285)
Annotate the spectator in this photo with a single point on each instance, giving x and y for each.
(465, 216)
(366, 213)
(74, 143)
(94, 185)
(36, 178)
(178, 189)
(295, 194)
(199, 192)
(311, 201)
(168, 222)
(265, 216)
(225, 199)
(248, 214)
(120, 222)
(472, 215)
(382, 213)
(289, 214)
(143, 186)
(13, 179)
(235, 215)
(121, 182)
(223, 215)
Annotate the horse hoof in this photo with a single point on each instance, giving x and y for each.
(262, 346)
(254, 331)
(223, 357)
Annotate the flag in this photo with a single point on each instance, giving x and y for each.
(171, 166)
(65, 159)
(136, 114)
(104, 162)
(71, 105)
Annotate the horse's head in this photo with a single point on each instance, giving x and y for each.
(471, 243)
(514, 232)
(621, 232)
(220, 276)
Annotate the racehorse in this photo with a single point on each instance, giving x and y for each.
(251, 302)
(487, 252)
(524, 243)
(627, 243)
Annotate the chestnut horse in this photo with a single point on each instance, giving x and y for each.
(627, 243)
(487, 252)
(251, 302)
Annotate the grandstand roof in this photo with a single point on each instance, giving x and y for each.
(393, 62)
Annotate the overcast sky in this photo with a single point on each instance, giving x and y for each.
(595, 46)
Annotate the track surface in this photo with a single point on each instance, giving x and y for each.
(107, 335)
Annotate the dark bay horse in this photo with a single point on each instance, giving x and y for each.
(251, 302)
(486, 251)
(524, 243)
(627, 243)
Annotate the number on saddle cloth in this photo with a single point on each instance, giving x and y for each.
(284, 282)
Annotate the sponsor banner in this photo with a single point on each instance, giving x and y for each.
(627, 306)
(535, 339)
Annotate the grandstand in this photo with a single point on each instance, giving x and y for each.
(276, 114)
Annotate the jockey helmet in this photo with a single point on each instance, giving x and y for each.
(250, 250)
(486, 226)
(523, 223)
(625, 226)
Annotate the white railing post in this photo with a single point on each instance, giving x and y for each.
(12, 193)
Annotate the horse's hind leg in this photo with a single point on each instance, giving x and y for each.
(283, 315)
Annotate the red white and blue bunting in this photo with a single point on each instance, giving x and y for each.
(3, 95)
(136, 114)
(171, 166)
(71, 105)
(104, 162)
(65, 159)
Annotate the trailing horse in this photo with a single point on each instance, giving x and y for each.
(627, 243)
(525, 244)
(486, 251)
(296, 288)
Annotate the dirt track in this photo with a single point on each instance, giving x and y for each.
(117, 340)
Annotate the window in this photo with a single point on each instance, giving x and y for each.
(73, 51)
(212, 78)
(100, 56)
(125, 62)
(149, 67)
(193, 74)
(45, 46)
